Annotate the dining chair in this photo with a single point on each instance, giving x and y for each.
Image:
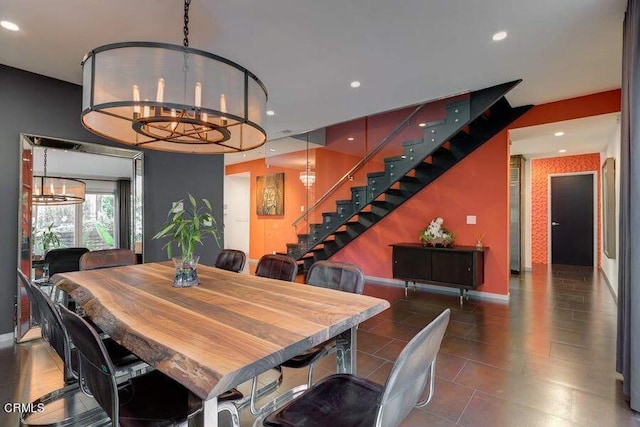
(107, 258)
(151, 399)
(231, 260)
(347, 400)
(63, 260)
(54, 333)
(341, 276)
(277, 266)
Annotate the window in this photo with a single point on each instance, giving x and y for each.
(92, 224)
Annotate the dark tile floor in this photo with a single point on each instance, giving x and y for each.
(545, 359)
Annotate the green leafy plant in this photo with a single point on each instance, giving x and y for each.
(48, 238)
(188, 226)
(104, 234)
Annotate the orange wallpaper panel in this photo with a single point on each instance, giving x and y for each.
(540, 171)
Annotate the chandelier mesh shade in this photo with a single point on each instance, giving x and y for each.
(172, 98)
(52, 190)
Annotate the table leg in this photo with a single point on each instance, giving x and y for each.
(346, 351)
(208, 417)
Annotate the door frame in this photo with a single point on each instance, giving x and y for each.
(230, 179)
(596, 236)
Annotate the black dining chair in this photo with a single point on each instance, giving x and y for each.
(54, 333)
(231, 260)
(107, 258)
(63, 260)
(151, 399)
(347, 400)
(277, 266)
(341, 276)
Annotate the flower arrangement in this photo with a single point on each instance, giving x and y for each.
(436, 235)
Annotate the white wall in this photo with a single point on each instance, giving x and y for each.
(610, 266)
(236, 212)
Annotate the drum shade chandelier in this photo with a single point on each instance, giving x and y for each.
(172, 98)
(53, 190)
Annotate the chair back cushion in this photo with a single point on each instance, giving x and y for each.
(107, 258)
(276, 266)
(95, 366)
(64, 259)
(231, 260)
(410, 373)
(342, 276)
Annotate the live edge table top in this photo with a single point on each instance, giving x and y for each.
(216, 335)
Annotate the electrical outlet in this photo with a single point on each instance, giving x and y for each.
(471, 219)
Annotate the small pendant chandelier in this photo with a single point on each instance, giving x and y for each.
(308, 177)
(53, 190)
(172, 98)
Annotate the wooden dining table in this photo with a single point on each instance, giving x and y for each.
(217, 335)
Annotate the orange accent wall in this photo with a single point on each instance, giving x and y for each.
(476, 186)
(540, 171)
(272, 233)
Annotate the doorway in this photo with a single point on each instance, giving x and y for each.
(237, 191)
(571, 219)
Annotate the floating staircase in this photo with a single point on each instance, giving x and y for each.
(468, 124)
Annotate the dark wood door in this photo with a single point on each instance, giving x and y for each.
(572, 220)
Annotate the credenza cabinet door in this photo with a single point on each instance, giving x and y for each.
(452, 267)
(411, 264)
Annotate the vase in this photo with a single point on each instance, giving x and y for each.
(186, 271)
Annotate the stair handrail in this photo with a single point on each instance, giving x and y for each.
(362, 161)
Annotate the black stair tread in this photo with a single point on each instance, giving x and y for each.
(411, 179)
(411, 142)
(395, 159)
(343, 202)
(375, 174)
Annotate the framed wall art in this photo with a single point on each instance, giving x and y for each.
(270, 194)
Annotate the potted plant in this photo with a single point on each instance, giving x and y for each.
(436, 235)
(186, 227)
(48, 239)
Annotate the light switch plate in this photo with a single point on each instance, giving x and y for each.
(471, 219)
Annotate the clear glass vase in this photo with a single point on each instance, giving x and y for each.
(186, 271)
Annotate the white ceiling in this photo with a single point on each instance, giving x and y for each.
(306, 52)
(581, 136)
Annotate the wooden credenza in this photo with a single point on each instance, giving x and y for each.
(459, 267)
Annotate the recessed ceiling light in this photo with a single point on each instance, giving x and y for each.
(422, 125)
(244, 155)
(9, 26)
(350, 138)
(500, 35)
(273, 150)
(562, 151)
(560, 133)
(355, 83)
(270, 113)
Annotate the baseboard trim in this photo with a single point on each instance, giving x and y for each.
(485, 296)
(606, 280)
(6, 337)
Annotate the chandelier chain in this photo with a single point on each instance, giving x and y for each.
(185, 42)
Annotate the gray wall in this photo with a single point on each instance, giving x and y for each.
(30, 103)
